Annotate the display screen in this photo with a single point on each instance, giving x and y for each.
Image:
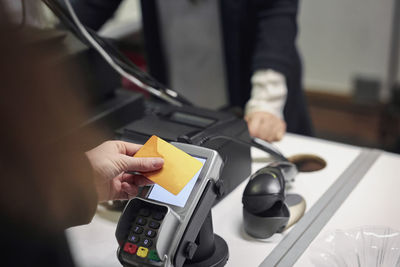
(160, 194)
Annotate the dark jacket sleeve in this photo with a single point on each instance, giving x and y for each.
(275, 34)
(275, 48)
(74, 200)
(94, 13)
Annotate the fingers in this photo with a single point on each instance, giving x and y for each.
(272, 130)
(128, 163)
(281, 130)
(130, 184)
(138, 180)
(254, 124)
(266, 126)
(127, 148)
(129, 189)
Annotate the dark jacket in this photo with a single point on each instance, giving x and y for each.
(257, 34)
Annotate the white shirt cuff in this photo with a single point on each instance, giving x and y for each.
(269, 92)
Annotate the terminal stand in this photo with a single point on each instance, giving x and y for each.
(212, 250)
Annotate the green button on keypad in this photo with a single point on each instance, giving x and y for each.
(153, 255)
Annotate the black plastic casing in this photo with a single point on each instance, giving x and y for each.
(264, 209)
(159, 120)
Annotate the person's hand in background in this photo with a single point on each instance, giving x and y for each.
(113, 162)
(266, 126)
(264, 110)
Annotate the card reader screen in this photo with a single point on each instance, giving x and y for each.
(160, 194)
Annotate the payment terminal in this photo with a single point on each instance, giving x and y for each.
(158, 228)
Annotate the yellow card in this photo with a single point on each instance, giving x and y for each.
(178, 169)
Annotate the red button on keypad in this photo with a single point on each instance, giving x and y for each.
(130, 248)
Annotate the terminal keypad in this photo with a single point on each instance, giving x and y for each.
(141, 241)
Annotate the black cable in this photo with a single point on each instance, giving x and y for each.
(272, 151)
(121, 60)
(65, 18)
(124, 62)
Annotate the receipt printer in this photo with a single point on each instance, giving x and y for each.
(197, 126)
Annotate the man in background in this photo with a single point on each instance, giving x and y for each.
(224, 53)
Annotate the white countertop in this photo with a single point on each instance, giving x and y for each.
(227, 215)
(374, 202)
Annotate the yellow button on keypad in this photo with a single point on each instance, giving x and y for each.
(142, 252)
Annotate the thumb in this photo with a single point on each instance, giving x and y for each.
(140, 164)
